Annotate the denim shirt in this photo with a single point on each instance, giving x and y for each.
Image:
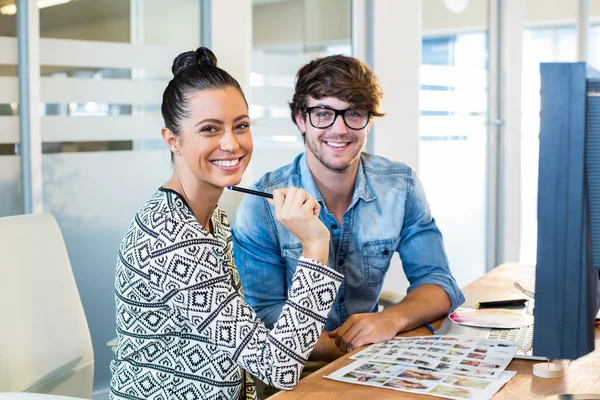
(388, 212)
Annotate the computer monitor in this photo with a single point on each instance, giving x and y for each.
(567, 296)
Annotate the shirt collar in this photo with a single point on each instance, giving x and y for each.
(361, 187)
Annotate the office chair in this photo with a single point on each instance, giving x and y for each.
(45, 343)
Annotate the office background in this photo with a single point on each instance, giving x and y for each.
(461, 85)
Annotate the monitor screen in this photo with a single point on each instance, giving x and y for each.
(567, 296)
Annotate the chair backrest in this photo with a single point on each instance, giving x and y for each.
(45, 343)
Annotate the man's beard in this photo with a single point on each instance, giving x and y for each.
(334, 166)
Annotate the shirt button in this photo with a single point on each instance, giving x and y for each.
(334, 226)
(386, 252)
(341, 299)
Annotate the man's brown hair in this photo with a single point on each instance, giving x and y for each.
(342, 77)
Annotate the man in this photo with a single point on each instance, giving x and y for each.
(372, 206)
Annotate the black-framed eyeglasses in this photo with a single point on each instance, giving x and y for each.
(322, 117)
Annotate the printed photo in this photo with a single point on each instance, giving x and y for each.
(373, 368)
(472, 383)
(455, 352)
(463, 369)
(461, 346)
(443, 366)
(472, 363)
(422, 362)
(419, 375)
(392, 369)
(404, 360)
(367, 354)
(431, 356)
(404, 384)
(436, 350)
(482, 372)
(409, 353)
(451, 391)
(425, 369)
(480, 350)
(379, 381)
(424, 342)
(392, 352)
(449, 338)
(448, 359)
(488, 365)
(477, 356)
(418, 348)
(445, 344)
(359, 376)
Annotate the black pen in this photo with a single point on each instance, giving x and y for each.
(250, 191)
(501, 303)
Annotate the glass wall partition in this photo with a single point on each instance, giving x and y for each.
(287, 35)
(453, 128)
(550, 35)
(10, 170)
(104, 66)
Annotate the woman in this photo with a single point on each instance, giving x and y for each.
(184, 328)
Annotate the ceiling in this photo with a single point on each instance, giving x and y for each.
(74, 13)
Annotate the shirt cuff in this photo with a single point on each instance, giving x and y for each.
(321, 268)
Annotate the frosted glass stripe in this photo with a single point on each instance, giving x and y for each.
(442, 75)
(112, 91)
(274, 127)
(9, 130)
(83, 129)
(9, 89)
(83, 53)
(271, 96)
(460, 102)
(9, 54)
(93, 54)
(87, 129)
(277, 64)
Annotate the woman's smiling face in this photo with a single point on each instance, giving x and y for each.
(215, 141)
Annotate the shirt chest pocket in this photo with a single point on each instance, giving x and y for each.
(376, 258)
(291, 252)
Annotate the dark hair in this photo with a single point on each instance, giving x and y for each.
(342, 77)
(192, 71)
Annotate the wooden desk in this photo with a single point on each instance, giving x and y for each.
(580, 376)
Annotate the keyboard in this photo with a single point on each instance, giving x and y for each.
(522, 336)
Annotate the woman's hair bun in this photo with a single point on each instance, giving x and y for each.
(202, 57)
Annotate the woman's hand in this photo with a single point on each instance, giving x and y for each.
(299, 212)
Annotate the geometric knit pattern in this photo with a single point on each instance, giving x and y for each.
(184, 329)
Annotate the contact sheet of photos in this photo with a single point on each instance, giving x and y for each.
(390, 375)
(456, 355)
(443, 366)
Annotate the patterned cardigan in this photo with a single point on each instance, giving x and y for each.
(184, 329)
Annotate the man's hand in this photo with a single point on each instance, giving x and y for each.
(325, 349)
(424, 304)
(362, 329)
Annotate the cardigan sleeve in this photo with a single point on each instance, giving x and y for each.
(191, 279)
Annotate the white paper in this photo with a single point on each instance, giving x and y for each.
(390, 375)
(456, 355)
